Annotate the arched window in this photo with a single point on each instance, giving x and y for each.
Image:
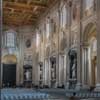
(10, 39)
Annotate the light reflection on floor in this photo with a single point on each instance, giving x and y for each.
(25, 94)
(30, 94)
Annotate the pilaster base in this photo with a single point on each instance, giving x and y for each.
(85, 87)
(97, 87)
(67, 86)
(78, 86)
(56, 84)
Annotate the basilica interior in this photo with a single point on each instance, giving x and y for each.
(52, 46)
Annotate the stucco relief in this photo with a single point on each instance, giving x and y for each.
(54, 47)
(75, 13)
(74, 39)
(63, 41)
(86, 29)
(88, 6)
(63, 44)
(73, 67)
(47, 52)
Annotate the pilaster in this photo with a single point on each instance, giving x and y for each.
(98, 45)
(79, 52)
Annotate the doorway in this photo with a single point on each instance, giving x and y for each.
(9, 75)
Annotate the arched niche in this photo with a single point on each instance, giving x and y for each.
(9, 59)
(9, 70)
(90, 54)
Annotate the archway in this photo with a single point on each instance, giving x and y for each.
(9, 70)
(90, 54)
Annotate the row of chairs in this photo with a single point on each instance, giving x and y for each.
(24, 97)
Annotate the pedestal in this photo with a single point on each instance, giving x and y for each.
(78, 86)
(67, 86)
(97, 87)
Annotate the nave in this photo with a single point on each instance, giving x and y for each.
(46, 94)
(50, 49)
(27, 94)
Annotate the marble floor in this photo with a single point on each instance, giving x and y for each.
(34, 94)
(26, 94)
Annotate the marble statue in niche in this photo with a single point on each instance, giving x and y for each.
(53, 68)
(27, 75)
(41, 73)
(53, 71)
(73, 68)
(73, 63)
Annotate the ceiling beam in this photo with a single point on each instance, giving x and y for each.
(21, 13)
(16, 1)
(18, 9)
(18, 19)
(17, 23)
(22, 5)
(5, 12)
(29, 1)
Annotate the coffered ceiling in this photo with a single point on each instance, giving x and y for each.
(23, 12)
